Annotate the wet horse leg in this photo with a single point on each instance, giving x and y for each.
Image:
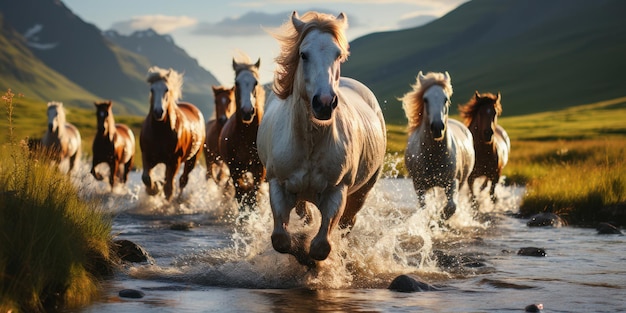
(127, 166)
(492, 190)
(113, 170)
(452, 194)
(355, 202)
(151, 188)
(332, 206)
(184, 178)
(282, 202)
(470, 184)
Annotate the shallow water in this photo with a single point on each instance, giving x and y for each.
(225, 262)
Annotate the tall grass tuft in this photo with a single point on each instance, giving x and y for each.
(54, 244)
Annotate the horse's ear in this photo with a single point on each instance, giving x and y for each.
(476, 95)
(447, 76)
(234, 64)
(420, 76)
(213, 88)
(258, 63)
(498, 97)
(109, 103)
(343, 18)
(295, 20)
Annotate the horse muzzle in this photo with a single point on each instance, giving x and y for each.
(438, 129)
(488, 135)
(248, 115)
(158, 114)
(323, 110)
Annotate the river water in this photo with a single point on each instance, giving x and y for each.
(225, 261)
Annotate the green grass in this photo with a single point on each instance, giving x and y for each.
(54, 244)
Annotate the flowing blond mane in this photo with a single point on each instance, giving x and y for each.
(290, 39)
(468, 110)
(413, 101)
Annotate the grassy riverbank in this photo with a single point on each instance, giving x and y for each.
(54, 244)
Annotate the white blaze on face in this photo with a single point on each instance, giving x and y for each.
(320, 58)
(246, 83)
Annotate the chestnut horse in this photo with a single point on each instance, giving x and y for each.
(238, 146)
(440, 150)
(224, 108)
(491, 142)
(323, 137)
(172, 133)
(114, 144)
(62, 140)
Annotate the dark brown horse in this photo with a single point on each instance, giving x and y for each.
(62, 140)
(238, 145)
(172, 133)
(224, 108)
(114, 144)
(491, 142)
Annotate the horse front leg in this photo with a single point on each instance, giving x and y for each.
(452, 194)
(151, 187)
(332, 205)
(96, 174)
(127, 166)
(492, 190)
(282, 202)
(170, 172)
(184, 178)
(113, 170)
(470, 184)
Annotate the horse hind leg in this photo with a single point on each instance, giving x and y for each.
(184, 178)
(113, 170)
(127, 167)
(355, 202)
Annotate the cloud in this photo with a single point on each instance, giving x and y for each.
(250, 24)
(162, 24)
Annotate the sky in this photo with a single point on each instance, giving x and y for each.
(213, 32)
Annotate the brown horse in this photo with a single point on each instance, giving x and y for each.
(172, 132)
(224, 108)
(238, 145)
(114, 144)
(62, 139)
(491, 142)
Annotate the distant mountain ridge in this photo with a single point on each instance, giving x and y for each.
(542, 55)
(83, 55)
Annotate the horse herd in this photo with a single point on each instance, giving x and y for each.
(320, 138)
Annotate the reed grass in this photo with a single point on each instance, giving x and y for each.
(54, 244)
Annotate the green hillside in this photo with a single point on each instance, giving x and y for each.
(26, 74)
(542, 55)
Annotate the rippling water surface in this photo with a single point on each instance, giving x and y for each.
(225, 262)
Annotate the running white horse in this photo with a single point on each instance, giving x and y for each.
(440, 150)
(62, 140)
(323, 136)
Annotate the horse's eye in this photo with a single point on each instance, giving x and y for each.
(304, 56)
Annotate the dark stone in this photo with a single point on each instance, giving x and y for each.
(131, 293)
(608, 229)
(533, 308)
(408, 283)
(181, 226)
(545, 219)
(131, 252)
(531, 251)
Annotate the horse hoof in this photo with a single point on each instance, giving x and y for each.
(448, 211)
(281, 242)
(320, 249)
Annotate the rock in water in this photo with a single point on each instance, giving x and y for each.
(408, 283)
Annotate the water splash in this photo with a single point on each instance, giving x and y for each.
(392, 236)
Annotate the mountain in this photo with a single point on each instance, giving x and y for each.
(83, 55)
(542, 55)
(24, 73)
(162, 51)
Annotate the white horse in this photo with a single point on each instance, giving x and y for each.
(322, 138)
(62, 140)
(440, 150)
